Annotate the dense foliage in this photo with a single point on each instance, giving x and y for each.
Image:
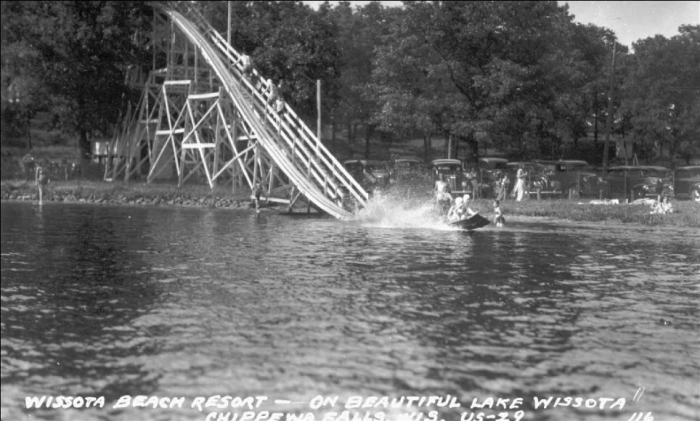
(519, 76)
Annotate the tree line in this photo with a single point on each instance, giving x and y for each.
(522, 77)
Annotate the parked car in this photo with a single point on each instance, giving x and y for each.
(370, 174)
(574, 177)
(636, 182)
(452, 170)
(409, 169)
(686, 182)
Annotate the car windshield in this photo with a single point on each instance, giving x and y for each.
(581, 167)
(492, 165)
(408, 165)
(448, 168)
(652, 172)
(689, 173)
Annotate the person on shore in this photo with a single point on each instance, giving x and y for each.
(473, 182)
(662, 207)
(519, 189)
(498, 218)
(257, 192)
(41, 179)
(443, 195)
(502, 187)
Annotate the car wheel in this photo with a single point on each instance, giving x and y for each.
(695, 194)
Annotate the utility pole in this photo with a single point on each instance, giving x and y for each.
(318, 106)
(608, 120)
(228, 36)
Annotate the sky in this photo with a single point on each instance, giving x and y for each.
(630, 20)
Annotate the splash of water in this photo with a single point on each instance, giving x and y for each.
(400, 210)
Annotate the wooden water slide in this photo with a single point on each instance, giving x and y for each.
(293, 147)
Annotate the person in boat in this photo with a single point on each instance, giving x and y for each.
(465, 204)
(460, 210)
(456, 211)
(498, 218)
(443, 195)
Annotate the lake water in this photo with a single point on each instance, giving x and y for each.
(107, 302)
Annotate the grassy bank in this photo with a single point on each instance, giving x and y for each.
(687, 213)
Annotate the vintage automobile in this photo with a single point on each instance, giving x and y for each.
(409, 169)
(637, 182)
(686, 182)
(571, 177)
(452, 171)
(370, 174)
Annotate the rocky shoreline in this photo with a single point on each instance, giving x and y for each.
(15, 194)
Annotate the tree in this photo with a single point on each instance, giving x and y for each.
(662, 92)
(508, 73)
(21, 90)
(287, 41)
(360, 31)
(84, 49)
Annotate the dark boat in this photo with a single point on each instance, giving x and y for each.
(473, 222)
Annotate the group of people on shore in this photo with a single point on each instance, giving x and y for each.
(661, 206)
(457, 208)
(519, 189)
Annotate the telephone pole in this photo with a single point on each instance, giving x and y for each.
(608, 120)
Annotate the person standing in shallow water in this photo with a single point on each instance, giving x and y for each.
(498, 218)
(257, 192)
(443, 196)
(41, 180)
